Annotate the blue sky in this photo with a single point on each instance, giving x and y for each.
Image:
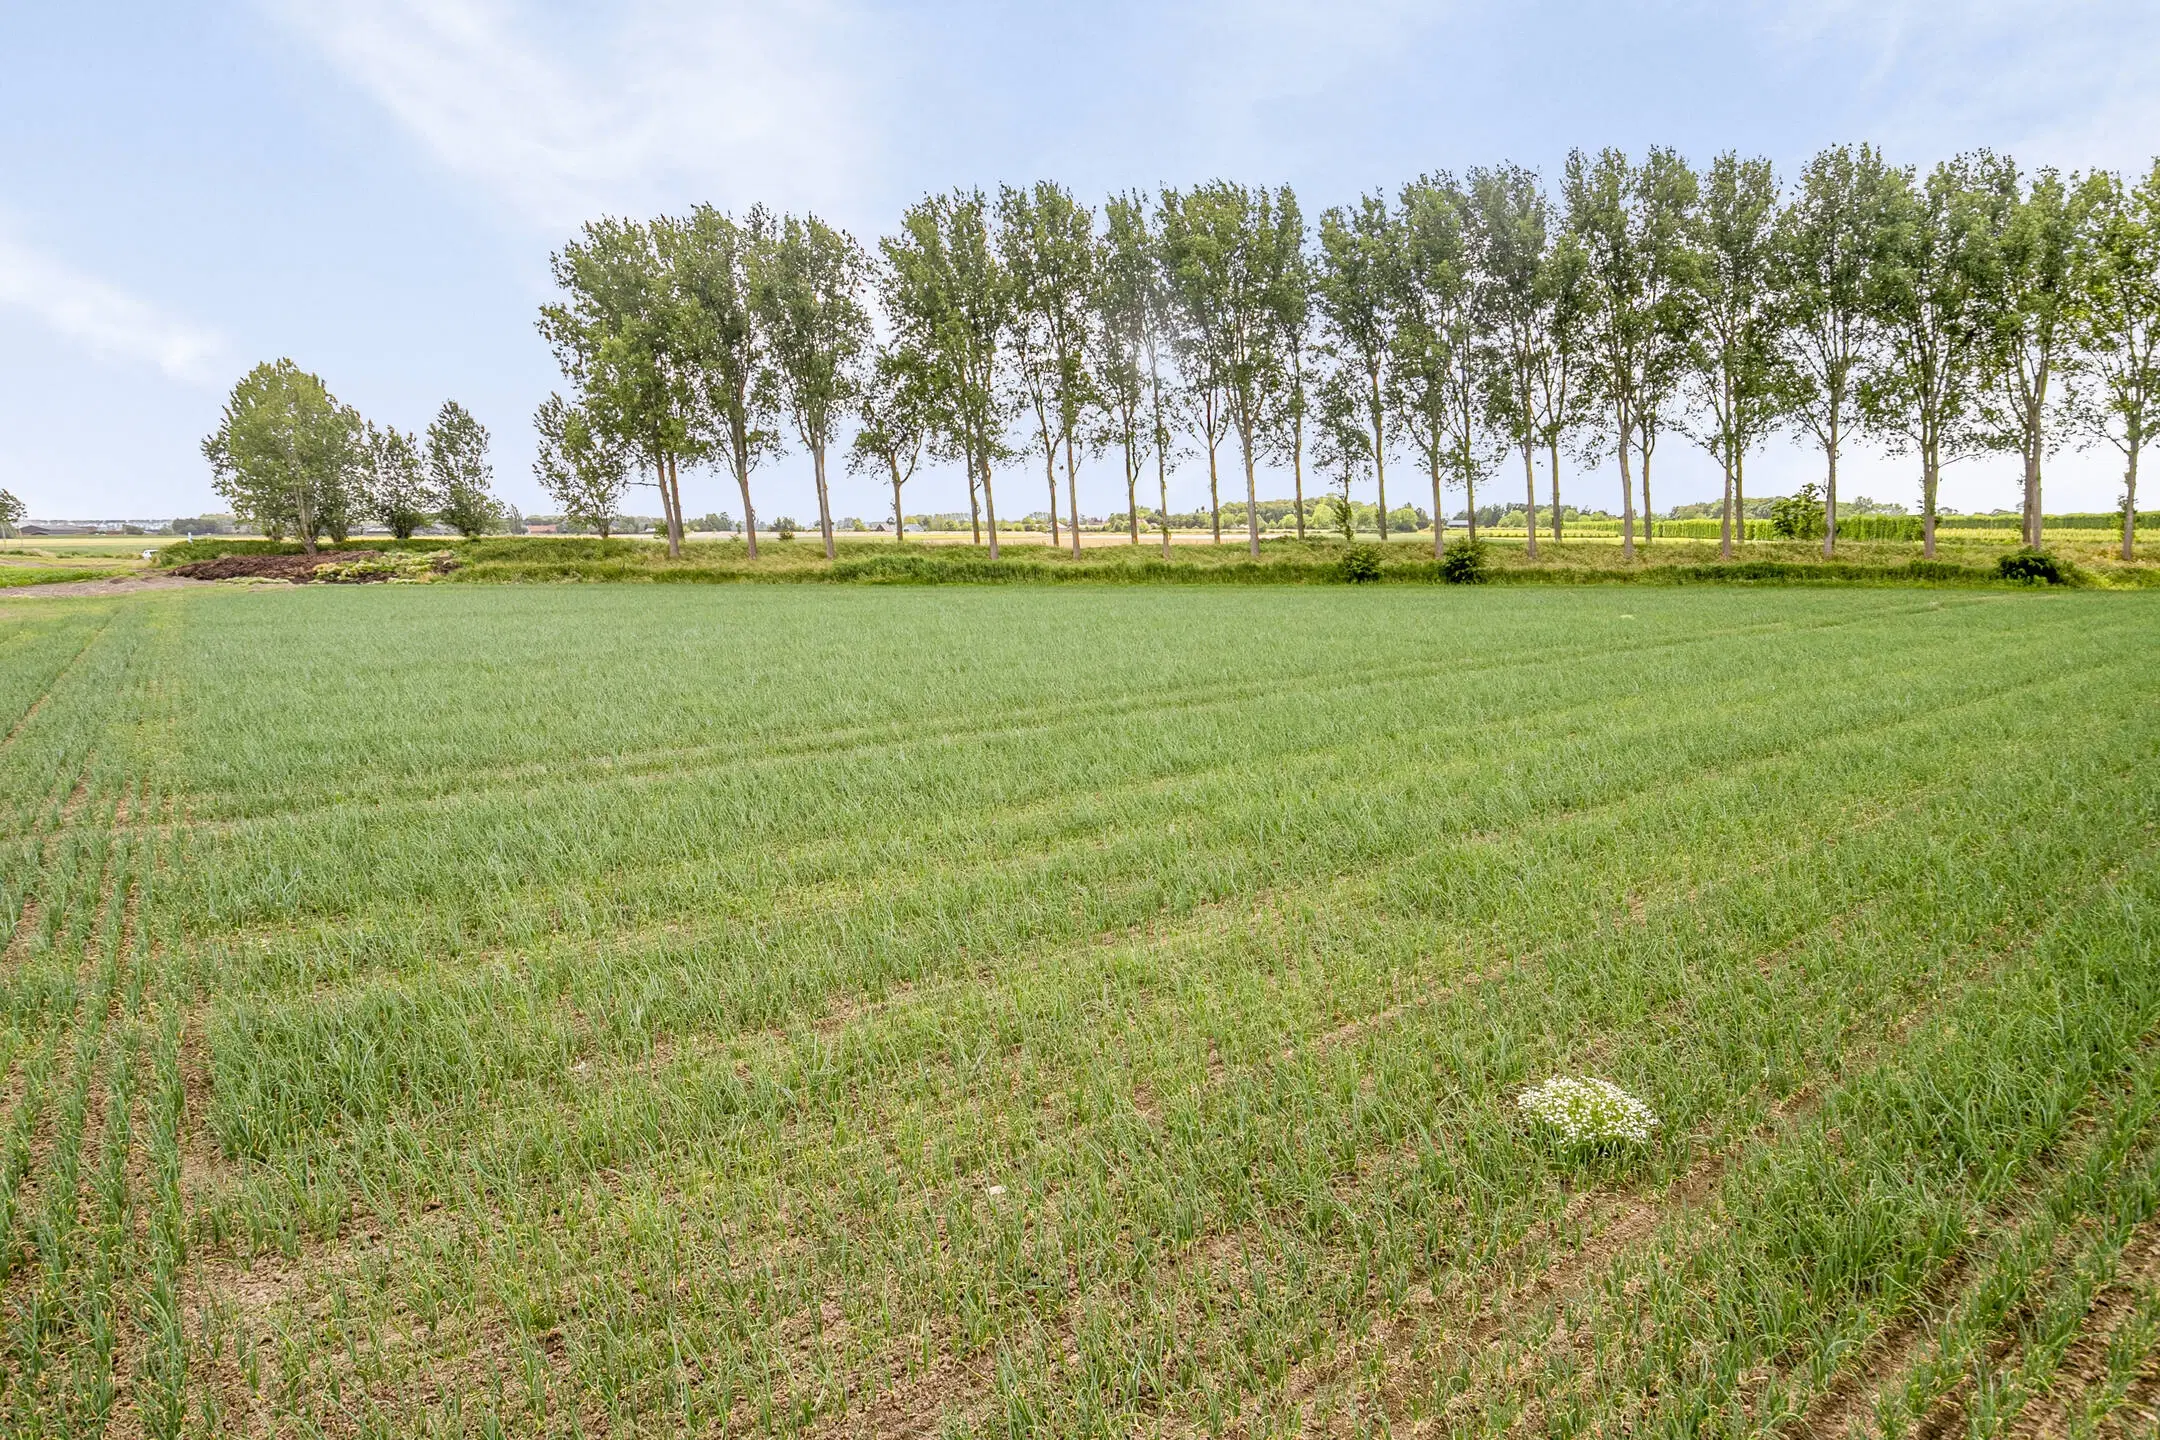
(372, 187)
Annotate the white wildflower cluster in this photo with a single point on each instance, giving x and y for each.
(1588, 1112)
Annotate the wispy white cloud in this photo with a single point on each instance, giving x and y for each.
(101, 318)
(2064, 81)
(730, 102)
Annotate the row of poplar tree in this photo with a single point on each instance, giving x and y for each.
(292, 459)
(1467, 324)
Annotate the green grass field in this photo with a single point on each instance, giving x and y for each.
(1088, 1010)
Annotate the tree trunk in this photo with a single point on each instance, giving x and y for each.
(749, 511)
(1829, 534)
(1439, 522)
(1739, 493)
(1379, 457)
(1252, 494)
(824, 501)
(1627, 492)
(1297, 471)
(989, 503)
(1072, 493)
(974, 500)
(2032, 490)
(899, 521)
(1132, 492)
(674, 508)
(1724, 544)
(1050, 478)
(1162, 483)
(1529, 479)
(1930, 477)
(2129, 550)
(1555, 457)
(1215, 499)
(1649, 511)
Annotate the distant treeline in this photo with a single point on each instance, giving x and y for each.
(1464, 324)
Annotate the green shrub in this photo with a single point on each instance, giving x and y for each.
(2033, 567)
(1798, 517)
(1361, 563)
(1464, 563)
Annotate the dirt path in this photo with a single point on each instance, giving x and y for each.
(115, 585)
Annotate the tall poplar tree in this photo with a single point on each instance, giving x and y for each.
(2118, 328)
(1732, 373)
(1231, 254)
(1125, 303)
(714, 261)
(1826, 238)
(617, 335)
(1046, 241)
(1439, 368)
(1359, 288)
(1926, 286)
(949, 299)
(1665, 196)
(809, 282)
(1606, 221)
(2031, 314)
(892, 421)
(1564, 391)
(1509, 221)
(1287, 416)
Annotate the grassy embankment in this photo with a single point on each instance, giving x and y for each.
(973, 1011)
(1963, 559)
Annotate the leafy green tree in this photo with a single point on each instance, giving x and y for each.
(2118, 327)
(460, 473)
(1126, 302)
(714, 262)
(892, 421)
(1926, 287)
(1438, 384)
(11, 515)
(581, 468)
(1231, 253)
(1285, 418)
(948, 298)
(394, 486)
(1046, 240)
(1610, 226)
(810, 280)
(1359, 289)
(1665, 199)
(286, 454)
(1732, 371)
(1509, 220)
(1826, 240)
(619, 338)
(2041, 255)
(1343, 447)
(1564, 395)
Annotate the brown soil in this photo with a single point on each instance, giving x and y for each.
(296, 568)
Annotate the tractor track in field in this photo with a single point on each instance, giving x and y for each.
(1635, 1219)
(832, 746)
(481, 955)
(2084, 1364)
(7, 742)
(918, 1399)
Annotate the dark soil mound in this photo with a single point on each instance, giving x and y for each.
(267, 567)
